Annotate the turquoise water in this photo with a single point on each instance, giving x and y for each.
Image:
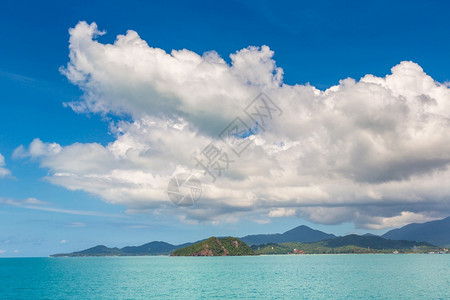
(412, 276)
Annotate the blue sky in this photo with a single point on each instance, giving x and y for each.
(316, 43)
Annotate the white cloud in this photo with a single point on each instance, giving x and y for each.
(403, 219)
(4, 172)
(367, 151)
(76, 224)
(24, 203)
(63, 242)
(19, 152)
(136, 226)
(35, 204)
(33, 201)
(281, 212)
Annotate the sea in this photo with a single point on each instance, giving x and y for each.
(359, 276)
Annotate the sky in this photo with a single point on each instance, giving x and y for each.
(330, 114)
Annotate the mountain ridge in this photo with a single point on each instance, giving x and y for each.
(151, 248)
(435, 232)
(351, 243)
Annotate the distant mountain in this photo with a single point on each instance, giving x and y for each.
(152, 248)
(434, 232)
(369, 234)
(228, 246)
(97, 251)
(298, 234)
(347, 244)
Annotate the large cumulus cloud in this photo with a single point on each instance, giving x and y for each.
(374, 152)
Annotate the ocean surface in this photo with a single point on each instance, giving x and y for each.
(409, 276)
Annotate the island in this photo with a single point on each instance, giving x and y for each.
(213, 246)
(430, 237)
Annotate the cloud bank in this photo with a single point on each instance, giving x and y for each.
(374, 151)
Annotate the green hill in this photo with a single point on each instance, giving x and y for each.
(228, 246)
